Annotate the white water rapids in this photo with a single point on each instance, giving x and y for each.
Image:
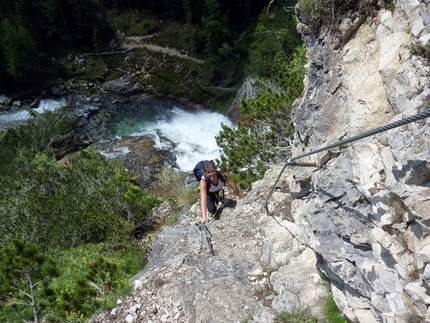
(190, 136)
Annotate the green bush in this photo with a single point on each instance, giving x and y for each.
(315, 13)
(63, 204)
(25, 277)
(86, 279)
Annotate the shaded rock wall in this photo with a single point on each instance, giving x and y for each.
(366, 212)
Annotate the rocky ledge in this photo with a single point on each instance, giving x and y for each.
(259, 269)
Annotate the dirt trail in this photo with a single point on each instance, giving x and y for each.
(140, 42)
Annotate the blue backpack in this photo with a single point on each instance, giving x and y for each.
(198, 170)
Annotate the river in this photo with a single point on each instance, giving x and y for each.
(188, 135)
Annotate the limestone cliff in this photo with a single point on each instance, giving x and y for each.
(366, 212)
(362, 217)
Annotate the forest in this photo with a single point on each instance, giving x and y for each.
(67, 216)
(33, 34)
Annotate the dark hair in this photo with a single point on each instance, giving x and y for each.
(209, 164)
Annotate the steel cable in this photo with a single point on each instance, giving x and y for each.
(290, 161)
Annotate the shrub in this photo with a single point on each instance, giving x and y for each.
(61, 204)
(261, 136)
(315, 13)
(25, 276)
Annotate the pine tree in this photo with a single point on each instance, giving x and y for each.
(25, 275)
(261, 137)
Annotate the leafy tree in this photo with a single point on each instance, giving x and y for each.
(261, 136)
(25, 275)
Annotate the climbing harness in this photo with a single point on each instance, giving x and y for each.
(291, 161)
(205, 238)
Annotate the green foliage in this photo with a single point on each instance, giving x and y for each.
(414, 272)
(331, 312)
(417, 48)
(272, 35)
(19, 48)
(225, 50)
(261, 136)
(93, 276)
(25, 275)
(298, 315)
(216, 26)
(389, 5)
(91, 291)
(288, 70)
(193, 194)
(45, 135)
(314, 13)
(86, 200)
(60, 204)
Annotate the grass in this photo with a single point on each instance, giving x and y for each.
(170, 185)
(73, 265)
(331, 312)
(193, 194)
(298, 315)
(302, 314)
(414, 272)
(172, 219)
(247, 318)
(418, 48)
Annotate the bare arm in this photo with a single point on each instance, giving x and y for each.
(203, 199)
(233, 185)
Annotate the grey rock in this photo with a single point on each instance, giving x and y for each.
(361, 218)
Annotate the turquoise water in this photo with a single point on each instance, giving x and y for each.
(190, 136)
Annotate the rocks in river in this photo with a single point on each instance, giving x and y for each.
(5, 102)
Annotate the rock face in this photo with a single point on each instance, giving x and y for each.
(248, 279)
(366, 212)
(362, 217)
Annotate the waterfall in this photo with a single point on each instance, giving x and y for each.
(189, 135)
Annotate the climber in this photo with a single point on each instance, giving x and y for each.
(211, 183)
